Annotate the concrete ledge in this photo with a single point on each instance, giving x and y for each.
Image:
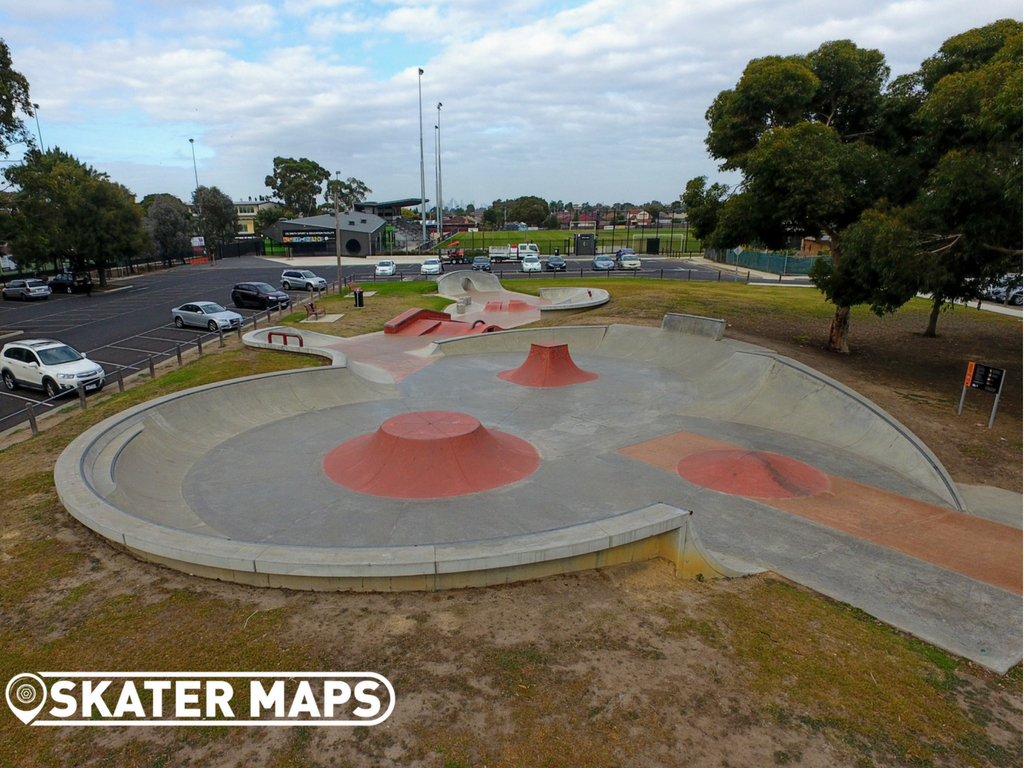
(694, 325)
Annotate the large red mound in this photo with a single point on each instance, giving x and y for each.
(753, 473)
(430, 455)
(548, 365)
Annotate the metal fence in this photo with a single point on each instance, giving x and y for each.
(776, 263)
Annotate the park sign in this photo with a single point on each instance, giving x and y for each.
(986, 377)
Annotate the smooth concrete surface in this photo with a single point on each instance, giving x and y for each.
(694, 324)
(226, 481)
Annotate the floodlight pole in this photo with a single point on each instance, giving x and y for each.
(337, 229)
(35, 113)
(440, 204)
(423, 178)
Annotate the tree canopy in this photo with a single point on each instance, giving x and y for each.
(169, 225)
(917, 182)
(350, 192)
(216, 216)
(65, 211)
(298, 183)
(14, 98)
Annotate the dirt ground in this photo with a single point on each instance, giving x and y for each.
(622, 667)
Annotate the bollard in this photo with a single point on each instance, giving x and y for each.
(780, 277)
(661, 276)
(120, 381)
(220, 335)
(152, 368)
(254, 325)
(81, 397)
(177, 351)
(32, 419)
(199, 344)
(239, 331)
(719, 275)
(688, 275)
(748, 276)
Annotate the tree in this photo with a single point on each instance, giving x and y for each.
(216, 217)
(799, 129)
(530, 210)
(552, 222)
(169, 224)
(350, 192)
(66, 211)
(268, 217)
(297, 183)
(14, 97)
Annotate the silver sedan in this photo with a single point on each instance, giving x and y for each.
(206, 314)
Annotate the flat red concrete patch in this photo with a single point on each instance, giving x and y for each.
(755, 474)
(430, 455)
(548, 365)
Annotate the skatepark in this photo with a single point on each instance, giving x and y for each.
(425, 460)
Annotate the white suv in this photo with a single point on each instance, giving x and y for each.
(49, 365)
(302, 278)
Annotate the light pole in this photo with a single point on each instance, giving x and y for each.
(440, 200)
(423, 178)
(337, 229)
(199, 205)
(35, 113)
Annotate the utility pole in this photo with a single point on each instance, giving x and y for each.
(440, 200)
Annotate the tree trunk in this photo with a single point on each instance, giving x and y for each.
(837, 334)
(933, 318)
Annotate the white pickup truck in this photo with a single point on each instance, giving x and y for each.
(513, 252)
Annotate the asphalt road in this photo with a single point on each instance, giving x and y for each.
(122, 329)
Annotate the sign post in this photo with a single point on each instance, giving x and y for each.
(984, 377)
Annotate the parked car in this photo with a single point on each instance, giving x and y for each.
(481, 264)
(261, 295)
(66, 282)
(530, 264)
(302, 278)
(626, 258)
(431, 267)
(998, 289)
(26, 289)
(206, 314)
(385, 268)
(603, 262)
(555, 264)
(49, 365)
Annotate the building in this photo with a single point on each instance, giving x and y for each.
(362, 234)
(247, 210)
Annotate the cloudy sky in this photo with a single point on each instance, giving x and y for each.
(599, 101)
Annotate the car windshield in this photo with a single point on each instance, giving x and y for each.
(480, 259)
(384, 264)
(58, 355)
(530, 258)
(264, 288)
(431, 261)
(211, 308)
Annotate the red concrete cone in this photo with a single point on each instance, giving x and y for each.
(548, 365)
(753, 474)
(430, 455)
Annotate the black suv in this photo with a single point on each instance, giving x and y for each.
(481, 264)
(66, 282)
(260, 295)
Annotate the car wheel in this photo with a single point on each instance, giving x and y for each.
(179, 322)
(237, 302)
(264, 304)
(212, 326)
(69, 290)
(9, 381)
(50, 388)
(1016, 300)
(286, 285)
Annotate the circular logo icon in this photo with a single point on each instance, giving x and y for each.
(26, 696)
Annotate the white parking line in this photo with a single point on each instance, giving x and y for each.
(27, 399)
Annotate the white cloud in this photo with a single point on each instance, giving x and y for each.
(599, 101)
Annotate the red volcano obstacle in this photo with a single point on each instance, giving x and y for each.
(430, 455)
(754, 474)
(548, 365)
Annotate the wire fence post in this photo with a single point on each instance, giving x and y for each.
(199, 344)
(120, 381)
(81, 396)
(152, 368)
(220, 335)
(177, 351)
(32, 419)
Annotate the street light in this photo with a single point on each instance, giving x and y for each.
(199, 205)
(440, 200)
(423, 178)
(337, 227)
(35, 112)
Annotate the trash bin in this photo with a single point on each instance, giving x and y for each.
(357, 294)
